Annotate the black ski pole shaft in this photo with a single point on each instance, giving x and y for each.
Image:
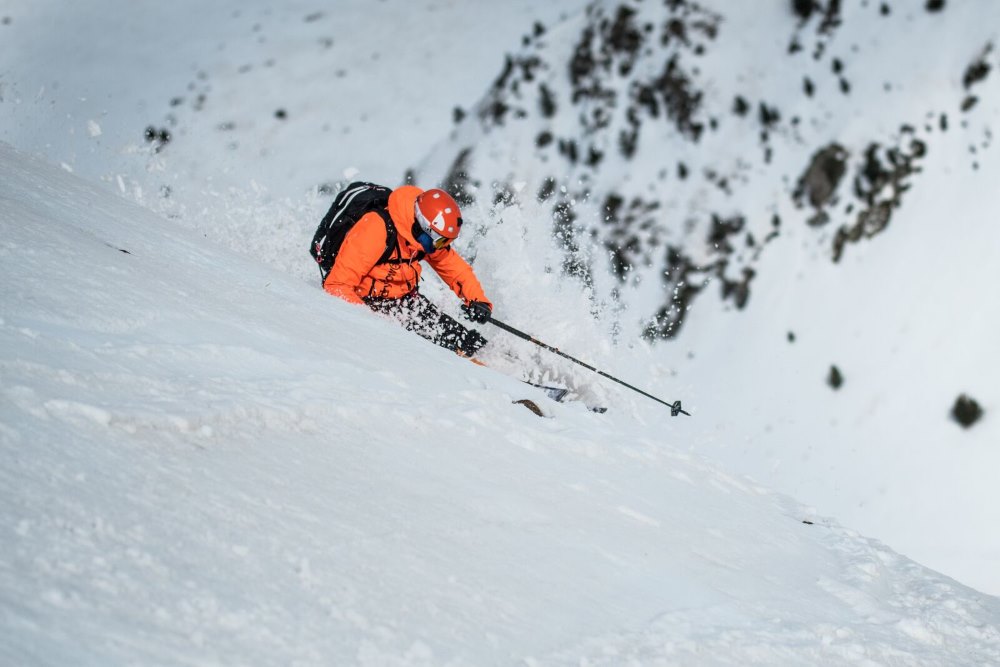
(675, 407)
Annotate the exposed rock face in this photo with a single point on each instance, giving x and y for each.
(879, 185)
(637, 148)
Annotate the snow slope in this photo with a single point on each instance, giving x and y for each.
(194, 471)
(365, 86)
(116, 377)
(670, 141)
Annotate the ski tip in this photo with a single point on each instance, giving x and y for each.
(531, 405)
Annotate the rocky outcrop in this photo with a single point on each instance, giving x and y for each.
(643, 152)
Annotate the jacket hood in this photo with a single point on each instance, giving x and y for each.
(401, 203)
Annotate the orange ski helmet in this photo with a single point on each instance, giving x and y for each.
(438, 215)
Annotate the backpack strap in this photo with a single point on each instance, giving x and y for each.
(391, 239)
(392, 243)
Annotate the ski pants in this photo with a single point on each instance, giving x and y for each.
(417, 314)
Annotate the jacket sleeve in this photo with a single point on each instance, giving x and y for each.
(361, 249)
(458, 275)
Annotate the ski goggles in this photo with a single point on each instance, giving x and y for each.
(428, 237)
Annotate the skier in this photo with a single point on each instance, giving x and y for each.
(426, 224)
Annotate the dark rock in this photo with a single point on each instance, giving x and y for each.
(737, 290)
(624, 222)
(546, 101)
(822, 178)
(674, 28)
(966, 411)
(625, 37)
(681, 283)
(831, 17)
(769, 116)
(803, 8)
(628, 141)
(157, 137)
(934, 5)
(674, 89)
(880, 185)
(818, 219)
(564, 216)
(722, 229)
(567, 147)
(976, 72)
(504, 95)
(458, 182)
(547, 189)
(582, 64)
(834, 378)
(496, 111)
(594, 157)
(503, 194)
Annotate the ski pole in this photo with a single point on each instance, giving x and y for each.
(675, 407)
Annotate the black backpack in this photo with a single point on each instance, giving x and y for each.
(348, 207)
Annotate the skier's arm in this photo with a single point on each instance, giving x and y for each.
(458, 275)
(361, 249)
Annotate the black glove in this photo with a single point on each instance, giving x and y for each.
(478, 311)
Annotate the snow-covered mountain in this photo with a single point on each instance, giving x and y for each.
(206, 461)
(781, 213)
(799, 195)
(685, 139)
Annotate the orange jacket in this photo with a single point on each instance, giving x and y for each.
(355, 274)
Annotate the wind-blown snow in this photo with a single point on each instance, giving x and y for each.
(208, 461)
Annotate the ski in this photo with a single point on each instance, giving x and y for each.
(675, 407)
(559, 394)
